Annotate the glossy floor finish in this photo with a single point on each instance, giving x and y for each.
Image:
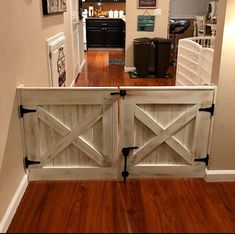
(97, 72)
(140, 206)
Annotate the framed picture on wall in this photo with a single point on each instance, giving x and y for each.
(147, 3)
(54, 6)
(146, 23)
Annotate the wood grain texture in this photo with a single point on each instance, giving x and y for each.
(97, 72)
(165, 120)
(140, 206)
(79, 135)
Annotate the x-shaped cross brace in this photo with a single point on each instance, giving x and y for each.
(163, 135)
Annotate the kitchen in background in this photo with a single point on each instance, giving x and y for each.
(104, 23)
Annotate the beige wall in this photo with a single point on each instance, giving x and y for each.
(161, 25)
(188, 8)
(223, 141)
(23, 60)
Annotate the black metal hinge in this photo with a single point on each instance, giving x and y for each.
(209, 109)
(126, 152)
(24, 111)
(122, 93)
(28, 162)
(205, 160)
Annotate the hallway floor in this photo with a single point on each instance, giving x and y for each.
(140, 206)
(98, 72)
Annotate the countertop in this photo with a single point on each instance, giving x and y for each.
(106, 18)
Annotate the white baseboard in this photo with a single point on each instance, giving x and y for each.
(127, 69)
(15, 201)
(80, 69)
(220, 176)
(82, 65)
(73, 83)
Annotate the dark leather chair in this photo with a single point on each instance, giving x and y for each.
(177, 27)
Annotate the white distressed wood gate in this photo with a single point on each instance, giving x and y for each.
(74, 131)
(170, 129)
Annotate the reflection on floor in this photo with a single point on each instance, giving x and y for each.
(99, 72)
(139, 206)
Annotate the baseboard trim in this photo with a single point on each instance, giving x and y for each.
(128, 69)
(82, 65)
(73, 83)
(15, 201)
(80, 70)
(220, 176)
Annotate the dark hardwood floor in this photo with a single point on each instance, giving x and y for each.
(97, 72)
(140, 206)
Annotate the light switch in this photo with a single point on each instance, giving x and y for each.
(158, 12)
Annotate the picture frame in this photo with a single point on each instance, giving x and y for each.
(54, 6)
(146, 23)
(147, 4)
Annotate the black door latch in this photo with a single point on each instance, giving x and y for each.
(126, 152)
(122, 93)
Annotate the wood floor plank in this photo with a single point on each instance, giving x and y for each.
(98, 73)
(140, 206)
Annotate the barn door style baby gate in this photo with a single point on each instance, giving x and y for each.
(72, 133)
(169, 130)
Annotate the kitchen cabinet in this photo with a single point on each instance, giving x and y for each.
(105, 33)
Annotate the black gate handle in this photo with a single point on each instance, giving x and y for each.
(126, 152)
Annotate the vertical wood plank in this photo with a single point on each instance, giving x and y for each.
(58, 112)
(97, 136)
(202, 132)
(148, 135)
(138, 133)
(127, 113)
(127, 125)
(115, 134)
(46, 136)
(83, 111)
(71, 120)
(154, 112)
(107, 139)
(165, 119)
(189, 130)
(32, 136)
(177, 111)
(87, 109)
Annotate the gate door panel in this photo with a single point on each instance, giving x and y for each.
(72, 134)
(170, 127)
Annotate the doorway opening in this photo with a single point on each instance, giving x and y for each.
(105, 68)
